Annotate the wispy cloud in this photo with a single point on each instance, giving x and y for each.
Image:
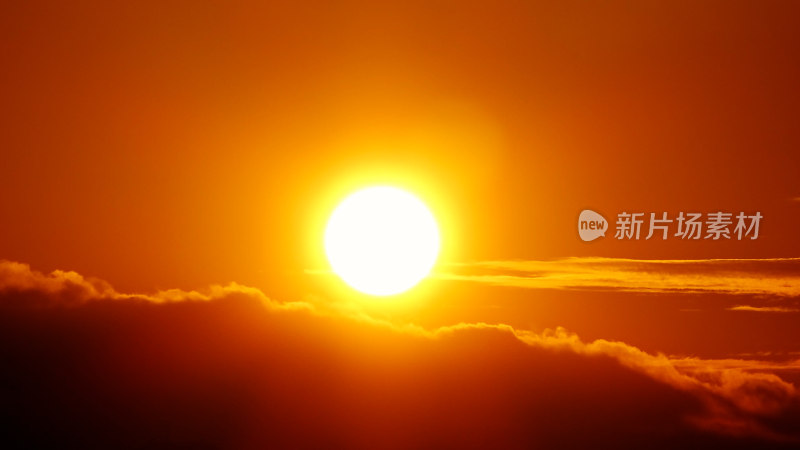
(775, 276)
(690, 364)
(771, 309)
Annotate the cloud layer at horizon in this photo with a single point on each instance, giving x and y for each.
(734, 397)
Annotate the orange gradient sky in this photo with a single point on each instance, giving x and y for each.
(165, 147)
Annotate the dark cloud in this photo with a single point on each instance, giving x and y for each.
(230, 368)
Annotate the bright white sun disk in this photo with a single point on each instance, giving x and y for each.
(382, 240)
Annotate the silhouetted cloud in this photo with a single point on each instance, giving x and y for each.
(68, 288)
(231, 368)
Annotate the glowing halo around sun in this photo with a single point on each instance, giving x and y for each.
(382, 240)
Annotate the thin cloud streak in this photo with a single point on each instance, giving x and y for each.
(769, 309)
(770, 277)
(690, 364)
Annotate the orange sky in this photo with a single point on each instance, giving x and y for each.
(178, 145)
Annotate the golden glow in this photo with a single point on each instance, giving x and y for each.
(382, 240)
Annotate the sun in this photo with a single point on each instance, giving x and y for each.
(382, 240)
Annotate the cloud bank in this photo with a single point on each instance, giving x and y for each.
(229, 367)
